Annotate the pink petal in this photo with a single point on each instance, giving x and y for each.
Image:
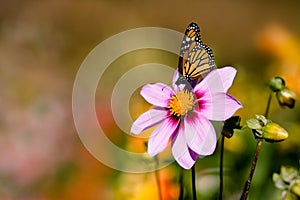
(218, 106)
(194, 155)
(200, 134)
(157, 94)
(159, 138)
(218, 80)
(180, 150)
(148, 119)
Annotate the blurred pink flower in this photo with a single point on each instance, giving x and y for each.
(184, 115)
(34, 141)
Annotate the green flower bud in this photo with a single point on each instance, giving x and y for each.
(264, 128)
(286, 97)
(287, 195)
(276, 84)
(296, 187)
(273, 132)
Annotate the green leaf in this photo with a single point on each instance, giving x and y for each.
(262, 118)
(253, 124)
(257, 133)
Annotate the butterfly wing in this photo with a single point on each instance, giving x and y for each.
(189, 41)
(196, 59)
(200, 61)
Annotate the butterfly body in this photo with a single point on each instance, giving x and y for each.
(196, 59)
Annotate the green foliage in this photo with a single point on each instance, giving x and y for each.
(289, 181)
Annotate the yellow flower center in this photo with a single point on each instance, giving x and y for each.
(181, 103)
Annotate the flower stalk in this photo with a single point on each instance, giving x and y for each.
(257, 151)
(221, 167)
(181, 184)
(248, 183)
(227, 131)
(194, 183)
(268, 104)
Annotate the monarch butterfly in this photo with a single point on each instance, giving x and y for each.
(196, 59)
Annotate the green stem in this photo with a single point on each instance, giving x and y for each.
(181, 185)
(194, 183)
(221, 168)
(258, 147)
(268, 105)
(248, 183)
(158, 179)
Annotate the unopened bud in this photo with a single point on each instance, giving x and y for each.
(288, 195)
(276, 84)
(273, 132)
(286, 97)
(230, 124)
(296, 187)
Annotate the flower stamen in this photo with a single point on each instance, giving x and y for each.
(181, 103)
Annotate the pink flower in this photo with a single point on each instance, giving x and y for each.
(184, 115)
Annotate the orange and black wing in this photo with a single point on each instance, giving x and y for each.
(196, 59)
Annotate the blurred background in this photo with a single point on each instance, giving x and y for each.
(42, 45)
